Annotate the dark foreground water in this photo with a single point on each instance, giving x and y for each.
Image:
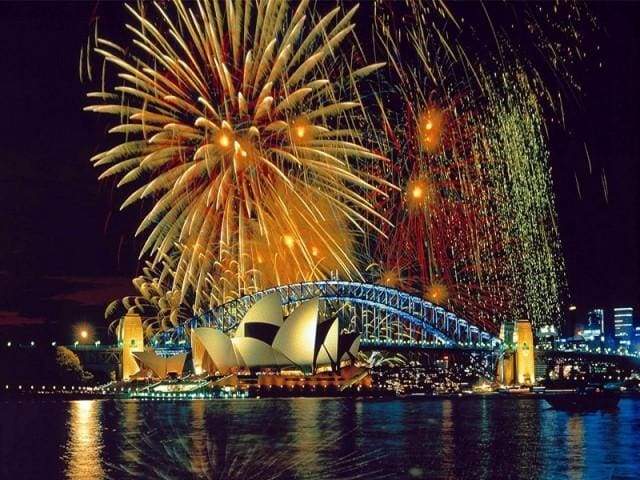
(316, 438)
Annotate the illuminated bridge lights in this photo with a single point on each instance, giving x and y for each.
(376, 312)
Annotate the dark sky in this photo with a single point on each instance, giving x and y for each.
(600, 236)
(65, 250)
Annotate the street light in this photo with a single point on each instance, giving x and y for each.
(83, 333)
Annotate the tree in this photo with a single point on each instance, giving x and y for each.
(69, 367)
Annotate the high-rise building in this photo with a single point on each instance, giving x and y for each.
(594, 325)
(546, 336)
(623, 325)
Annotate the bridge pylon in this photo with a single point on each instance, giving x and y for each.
(131, 339)
(517, 365)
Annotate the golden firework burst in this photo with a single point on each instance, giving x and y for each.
(238, 126)
(390, 278)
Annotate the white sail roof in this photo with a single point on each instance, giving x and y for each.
(327, 353)
(254, 353)
(296, 339)
(266, 310)
(161, 366)
(217, 345)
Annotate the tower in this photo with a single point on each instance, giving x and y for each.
(525, 354)
(130, 339)
(517, 366)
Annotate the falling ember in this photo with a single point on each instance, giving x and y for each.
(437, 293)
(301, 131)
(224, 140)
(420, 193)
(390, 278)
(245, 155)
(430, 129)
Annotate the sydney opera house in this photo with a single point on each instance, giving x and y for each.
(264, 341)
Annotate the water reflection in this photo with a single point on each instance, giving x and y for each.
(83, 449)
(309, 436)
(316, 438)
(198, 453)
(447, 453)
(131, 441)
(575, 446)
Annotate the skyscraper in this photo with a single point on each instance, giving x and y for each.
(594, 325)
(623, 325)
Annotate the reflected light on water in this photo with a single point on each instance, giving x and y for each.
(318, 439)
(83, 450)
(446, 433)
(575, 446)
(200, 460)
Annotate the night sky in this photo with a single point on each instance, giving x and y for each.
(66, 251)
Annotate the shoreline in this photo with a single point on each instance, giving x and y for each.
(73, 396)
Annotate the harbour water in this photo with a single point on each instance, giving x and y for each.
(487, 437)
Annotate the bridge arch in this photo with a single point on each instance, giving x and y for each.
(382, 315)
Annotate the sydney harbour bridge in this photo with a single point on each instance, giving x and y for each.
(387, 319)
(382, 316)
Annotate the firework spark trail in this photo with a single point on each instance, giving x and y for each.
(238, 126)
(526, 213)
(437, 242)
(464, 125)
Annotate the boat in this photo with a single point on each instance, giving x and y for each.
(514, 390)
(538, 389)
(587, 398)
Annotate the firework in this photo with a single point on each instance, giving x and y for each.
(238, 126)
(246, 129)
(157, 301)
(463, 121)
(520, 180)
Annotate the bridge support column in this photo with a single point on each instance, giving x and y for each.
(130, 339)
(517, 365)
(525, 354)
(506, 369)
